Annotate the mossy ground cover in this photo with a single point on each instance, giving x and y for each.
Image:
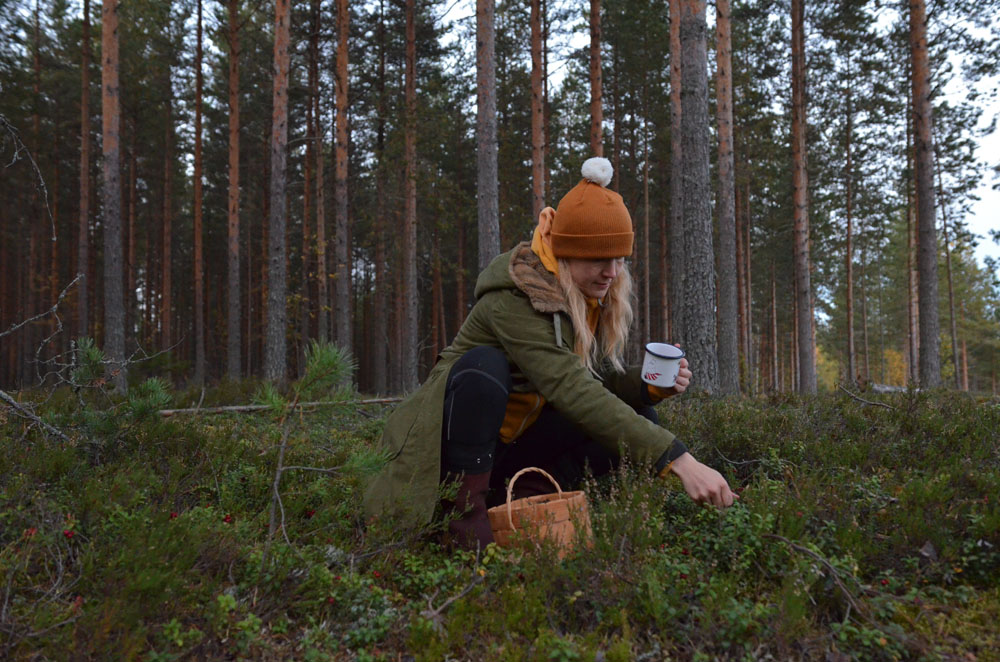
(862, 532)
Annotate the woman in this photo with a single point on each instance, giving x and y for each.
(535, 378)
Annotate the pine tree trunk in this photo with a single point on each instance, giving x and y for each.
(646, 337)
(166, 260)
(83, 230)
(537, 115)
(773, 353)
(596, 110)
(233, 312)
(864, 313)
(930, 328)
(410, 357)
(951, 298)
(380, 315)
(741, 311)
(729, 360)
(913, 309)
(322, 268)
(131, 304)
(277, 269)
(849, 248)
(487, 184)
(306, 285)
(753, 363)
(699, 261)
(199, 277)
(342, 248)
(114, 313)
(677, 259)
(800, 183)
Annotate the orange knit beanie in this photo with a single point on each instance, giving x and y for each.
(591, 221)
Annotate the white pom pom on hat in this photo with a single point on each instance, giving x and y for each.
(598, 170)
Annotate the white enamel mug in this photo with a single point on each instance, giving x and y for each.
(661, 365)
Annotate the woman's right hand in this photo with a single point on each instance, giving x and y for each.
(702, 483)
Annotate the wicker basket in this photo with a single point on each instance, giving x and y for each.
(550, 517)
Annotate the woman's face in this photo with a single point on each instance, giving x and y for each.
(594, 277)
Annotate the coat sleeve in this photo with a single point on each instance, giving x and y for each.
(628, 385)
(528, 338)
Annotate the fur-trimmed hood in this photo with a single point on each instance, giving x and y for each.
(526, 272)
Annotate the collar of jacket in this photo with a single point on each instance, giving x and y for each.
(538, 283)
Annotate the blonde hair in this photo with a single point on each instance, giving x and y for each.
(616, 318)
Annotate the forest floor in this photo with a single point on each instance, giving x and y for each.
(868, 528)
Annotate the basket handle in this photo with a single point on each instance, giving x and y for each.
(510, 489)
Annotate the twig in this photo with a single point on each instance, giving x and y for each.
(434, 614)
(19, 148)
(867, 402)
(246, 409)
(50, 311)
(14, 404)
(734, 462)
(826, 564)
(317, 469)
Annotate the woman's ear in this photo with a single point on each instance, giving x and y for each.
(545, 225)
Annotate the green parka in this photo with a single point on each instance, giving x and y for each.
(521, 309)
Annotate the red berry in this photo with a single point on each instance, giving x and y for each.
(337, 578)
(310, 513)
(376, 574)
(885, 582)
(69, 533)
(685, 551)
(330, 600)
(227, 518)
(173, 515)
(683, 576)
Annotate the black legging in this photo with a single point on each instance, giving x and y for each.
(474, 407)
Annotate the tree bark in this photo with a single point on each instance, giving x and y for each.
(645, 229)
(199, 276)
(677, 258)
(114, 313)
(410, 356)
(487, 179)
(930, 328)
(596, 110)
(322, 264)
(699, 273)
(83, 236)
(952, 321)
(537, 114)
(800, 183)
(277, 270)
(729, 362)
(166, 260)
(849, 248)
(233, 312)
(380, 321)
(342, 250)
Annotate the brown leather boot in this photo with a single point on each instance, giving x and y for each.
(470, 527)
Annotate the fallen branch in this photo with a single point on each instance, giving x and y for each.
(247, 409)
(867, 402)
(16, 406)
(826, 564)
(433, 614)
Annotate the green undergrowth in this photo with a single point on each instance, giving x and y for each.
(863, 532)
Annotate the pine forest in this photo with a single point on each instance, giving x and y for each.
(204, 188)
